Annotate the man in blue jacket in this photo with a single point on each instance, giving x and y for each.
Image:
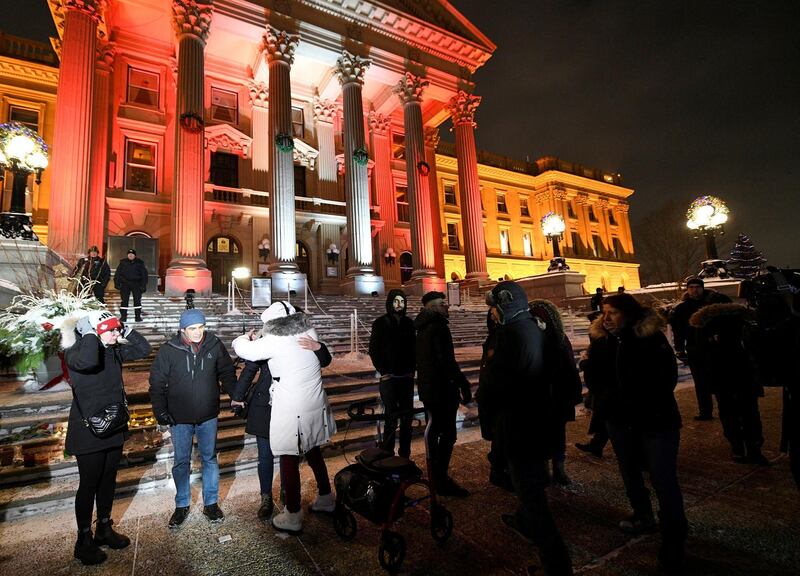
(184, 391)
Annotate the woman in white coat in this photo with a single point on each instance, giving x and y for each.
(301, 416)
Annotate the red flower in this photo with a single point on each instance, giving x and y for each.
(47, 326)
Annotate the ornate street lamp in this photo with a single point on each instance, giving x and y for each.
(22, 152)
(707, 216)
(553, 228)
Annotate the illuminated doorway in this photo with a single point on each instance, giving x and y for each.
(223, 254)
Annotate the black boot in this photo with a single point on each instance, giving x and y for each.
(559, 474)
(87, 551)
(265, 511)
(105, 535)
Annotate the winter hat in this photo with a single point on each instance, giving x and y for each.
(131, 251)
(433, 295)
(279, 309)
(191, 317)
(695, 281)
(103, 321)
(510, 299)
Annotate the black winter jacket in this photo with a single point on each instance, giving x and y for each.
(95, 269)
(439, 378)
(392, 341)
(633, 375)
(95, 374)
(683, 334)
(186, 385)
(259, 409)
(131, 274)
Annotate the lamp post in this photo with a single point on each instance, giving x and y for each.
(22, 152)
(553, 229)
(707, 216)
(236, 273)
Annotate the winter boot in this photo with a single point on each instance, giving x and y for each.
(290, 522)
(105, 535)
(87, 551)
(324, 503)
(559, 474)
(265, 511)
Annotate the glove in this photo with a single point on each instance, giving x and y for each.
(85, 327)
(165, 419)
(126, 330)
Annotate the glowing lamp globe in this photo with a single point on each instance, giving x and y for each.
(706, 212)
(553, 224)
(239, 273)
(19, 147)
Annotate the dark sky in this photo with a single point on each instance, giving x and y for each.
(683, 98)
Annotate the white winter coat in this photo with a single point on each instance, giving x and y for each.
(301, 414)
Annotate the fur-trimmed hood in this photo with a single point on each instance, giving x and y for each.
(707, 314)
(548, 312)
(287, 325)
(709, 296)
(648, 325)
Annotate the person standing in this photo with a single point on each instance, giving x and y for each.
(392, 350)
(685, 340)
(441, 386)
(131, 278)
(596, 302)
(528, 421)
(185, 383)
(93, 269)
(94, 361)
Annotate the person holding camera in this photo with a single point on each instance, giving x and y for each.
(94, 361)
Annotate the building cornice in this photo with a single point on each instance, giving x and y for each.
(28, 71)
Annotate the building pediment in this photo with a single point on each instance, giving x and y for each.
(304, 154)
(228, 138)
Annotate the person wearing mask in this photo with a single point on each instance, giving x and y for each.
(185, 383)
(93, 269)
(441, 386)
(301, 420)
(392, 350)
(94, 361)
(130, 278)
(632, 369)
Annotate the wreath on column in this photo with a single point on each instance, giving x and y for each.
(423, 168)
(284, 142)
(360, 156)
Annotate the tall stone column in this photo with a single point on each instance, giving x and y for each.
(260, 152)
(462, 109)
(192, 21)
(99, 160)
(380, 128)
(361, 278)
(324, 115)
(423, 277)
(431, 142)
(72, 137)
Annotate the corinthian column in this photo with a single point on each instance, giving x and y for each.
(324, 114)
(69, 195)
(431, 142)
(192, 20)
(380, 127)
(423, 277)
(259, 99)
(462, 109)
(99, 161)
(350, 70)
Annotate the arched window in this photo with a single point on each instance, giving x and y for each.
(406, 267)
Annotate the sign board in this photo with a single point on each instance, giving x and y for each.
(261, 292)
(454, 293)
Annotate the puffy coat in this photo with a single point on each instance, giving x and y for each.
(392, 341)
(301, 416)
(95, 269)
(259, 410)
(439, 379)
(185, 385)
(683, 334)
(633, 375)
(131, 274)
(95, 373)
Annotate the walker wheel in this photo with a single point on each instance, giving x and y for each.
(441, 523)
(391, 551)
(344, 523)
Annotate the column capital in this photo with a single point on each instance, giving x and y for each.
(259, 94)
(603, 203)
(379, 123)
(622, 207)
(279, 45)
(351, 68)
(106, 51)
(431, 137)
(542, 197)
(92, 8)
(192, 17)
(410, 87)
(462, 108)
(324, 110)
(559, 193)
(582, 198)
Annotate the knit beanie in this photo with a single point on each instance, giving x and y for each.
(433, 295)
(103, 321)
(191, 317)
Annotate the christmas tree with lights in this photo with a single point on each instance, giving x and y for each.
(745, 261)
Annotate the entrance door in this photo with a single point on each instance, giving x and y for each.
(223, 254)
(302, 260)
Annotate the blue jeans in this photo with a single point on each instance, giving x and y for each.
(207, 443)
(266, 464)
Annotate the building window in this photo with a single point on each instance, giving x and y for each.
(299, 181)
(140, 166)
(597, 246)
(450, 194)
(619, 252)
(527, 247)
(401, 198)
(298, 125)
(225, 169)
(592, 214)
(224, 106)
(576, 243)
(505, 247)
(571, 210)
(142, 87)
(452, 236)
(523, 207)
(24, 116)
(611, 218)
(501, 203)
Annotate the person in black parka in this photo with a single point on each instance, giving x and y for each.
(392, 350)
(130, 277)
(93, 268)
(94, 363)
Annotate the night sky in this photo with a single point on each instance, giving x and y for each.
(683, 98)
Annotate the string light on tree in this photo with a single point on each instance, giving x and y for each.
(745, 261)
